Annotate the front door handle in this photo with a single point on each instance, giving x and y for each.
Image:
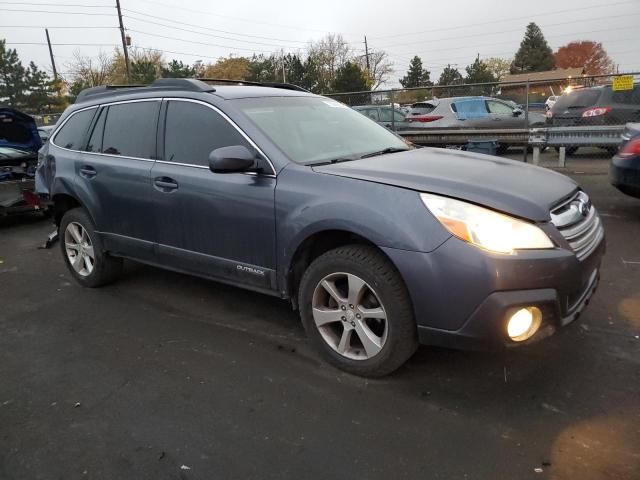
(87, 171)
(165, 184)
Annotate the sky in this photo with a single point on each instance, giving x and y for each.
(440, 32)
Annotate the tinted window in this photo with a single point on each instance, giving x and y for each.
(192, 131)
(130, 129)
(72, 134)
(421, 108)
(577, 99)
(95, 140)
(628, 97)
(499, 108)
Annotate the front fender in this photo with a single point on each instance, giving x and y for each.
(308, 202)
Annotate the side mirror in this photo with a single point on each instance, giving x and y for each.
(517, 112)
(236, 158)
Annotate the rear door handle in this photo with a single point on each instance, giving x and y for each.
(165, 184)
(87, 171)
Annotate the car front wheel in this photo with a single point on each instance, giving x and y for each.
(357, 312)
(83, 252)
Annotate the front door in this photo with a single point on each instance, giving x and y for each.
(213, 224)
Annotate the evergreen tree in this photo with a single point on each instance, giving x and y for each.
(478, 72)
(350, 78)
(534, 54)
(450, 76)
(416, 75)
(12, 76)
(177, 69)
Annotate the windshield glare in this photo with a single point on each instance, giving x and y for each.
(314, 129)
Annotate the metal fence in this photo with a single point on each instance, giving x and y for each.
(446, 115)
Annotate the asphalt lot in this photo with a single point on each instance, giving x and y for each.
(164, 376)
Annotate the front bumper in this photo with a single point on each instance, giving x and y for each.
(624, 174)
(462, 296)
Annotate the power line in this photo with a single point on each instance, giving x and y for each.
(195, 42)
(215, 36)
(54, 12)
(53, 28)
(202, 12)
(511, 19)
(35, 4)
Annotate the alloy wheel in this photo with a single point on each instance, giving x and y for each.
(350, 316)
(79, 249)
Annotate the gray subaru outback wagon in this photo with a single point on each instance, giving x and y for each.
(380, 246)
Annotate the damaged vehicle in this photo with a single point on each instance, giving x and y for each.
(19, 145)
(379, 246)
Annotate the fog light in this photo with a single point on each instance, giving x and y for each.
(524, 323)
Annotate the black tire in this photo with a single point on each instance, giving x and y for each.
(106, 269)
(377, 271)
(502, 149)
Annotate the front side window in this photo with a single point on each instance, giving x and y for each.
(315, 129)
(72, 135)
(372, 113)
(193, 131)
(499, 108)
(130, 129)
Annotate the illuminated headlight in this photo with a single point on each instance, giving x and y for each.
(485, 228)
(524, 323)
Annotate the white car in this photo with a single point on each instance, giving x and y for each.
(551, 101)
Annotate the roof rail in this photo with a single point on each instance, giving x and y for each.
(284, 86)
(190, 84)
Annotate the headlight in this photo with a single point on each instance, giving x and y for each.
(485, 228)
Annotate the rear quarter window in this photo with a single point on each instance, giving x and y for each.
(73, 133)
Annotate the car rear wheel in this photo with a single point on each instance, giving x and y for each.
(357, 312)
(83, 252)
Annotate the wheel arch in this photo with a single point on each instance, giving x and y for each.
(314, 245)
(62, 203)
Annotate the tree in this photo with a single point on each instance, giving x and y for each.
(350, 78)
(26, 88)
(450, 76)
(177, 69)
(232, 68)
(327, 56)
(478, 72)
(380, 67)
(416, 75)
(499, 67)
(145, 66)
(534, 54)
(590, 55)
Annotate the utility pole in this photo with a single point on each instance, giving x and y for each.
(366, 53)
(53, 61)
(124, 41)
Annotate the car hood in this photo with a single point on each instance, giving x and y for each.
(512, 187)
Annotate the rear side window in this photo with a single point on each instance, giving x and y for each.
(130, 129)
(73, 133)
(385, 115)
(193, 130)
(95, 140)
(628, 97)
(372, 113)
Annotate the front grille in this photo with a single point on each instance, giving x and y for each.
(579, 223)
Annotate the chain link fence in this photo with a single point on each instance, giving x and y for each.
(564, 114)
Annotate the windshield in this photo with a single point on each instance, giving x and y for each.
(577, 99)
(314, 129)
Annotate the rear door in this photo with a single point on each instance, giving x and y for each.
(113, 176)
(221, 225)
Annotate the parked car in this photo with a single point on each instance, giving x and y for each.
(45, 132)
(550, 102)
(378, 246)
(472, 113)
(19, 144)
(595, 106)
(624, 171)
(382, 114)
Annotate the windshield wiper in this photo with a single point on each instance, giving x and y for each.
(384, 152)
(330, 162)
